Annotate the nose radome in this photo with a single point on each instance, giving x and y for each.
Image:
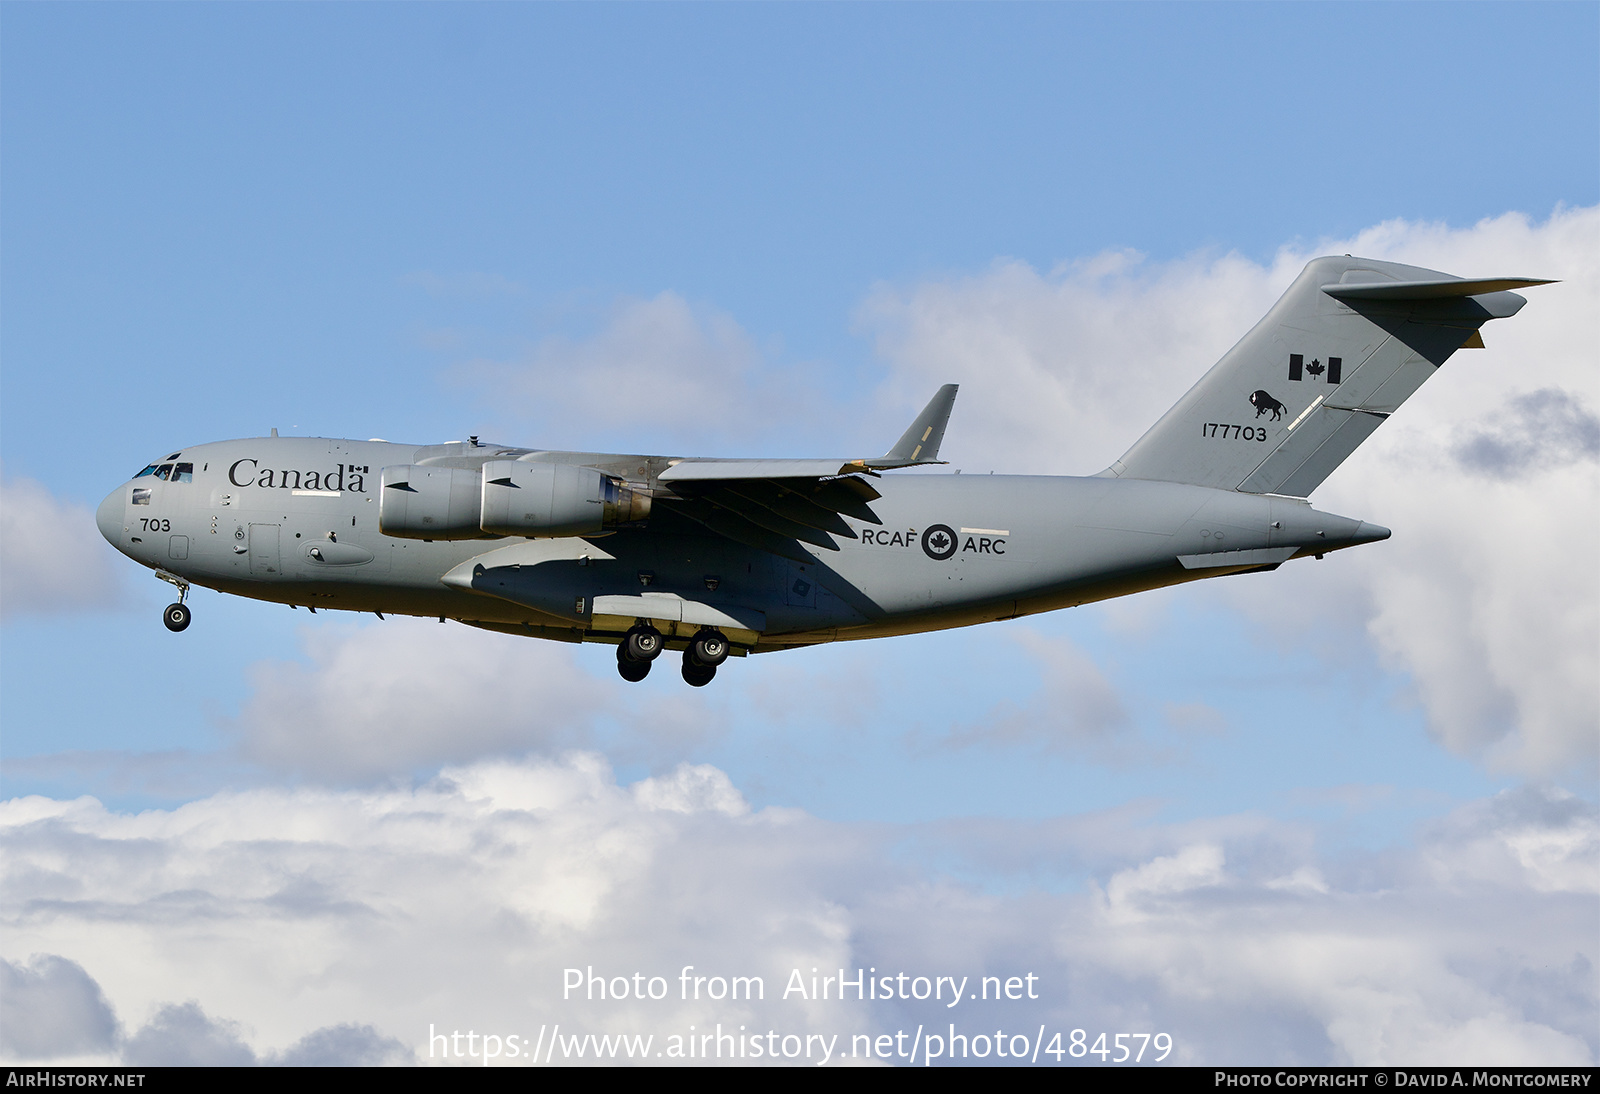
(109, 517)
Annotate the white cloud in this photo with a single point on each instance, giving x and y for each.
(1060, 372)
(691, 788)
(51, 1008)
(1487, 595)
(181, 1035)
(52, 557)
(344, 922)
(402, 695)
(1129, 892)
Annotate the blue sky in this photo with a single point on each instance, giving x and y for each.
(775, 230)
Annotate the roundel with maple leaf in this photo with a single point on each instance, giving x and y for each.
(939, 542)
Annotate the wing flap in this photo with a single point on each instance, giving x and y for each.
(763, 517)
(793, 506)
(737, 528)
(847, 496)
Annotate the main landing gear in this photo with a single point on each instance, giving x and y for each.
(708, 650)
(175, 616)
(637, 649)
(643, 644)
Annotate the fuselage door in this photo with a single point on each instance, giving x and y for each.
(264, 549)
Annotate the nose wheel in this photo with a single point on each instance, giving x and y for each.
(176, 616)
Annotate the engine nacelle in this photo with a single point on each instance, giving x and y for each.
(416, 502)
(555, 499)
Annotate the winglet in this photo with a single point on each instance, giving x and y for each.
(920, 443)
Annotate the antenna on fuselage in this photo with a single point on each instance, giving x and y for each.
(274, 431)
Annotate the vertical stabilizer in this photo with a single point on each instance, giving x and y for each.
(1337, 354)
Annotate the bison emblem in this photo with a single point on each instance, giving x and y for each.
(1264, 402)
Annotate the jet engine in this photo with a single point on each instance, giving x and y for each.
(418, 502)
(555, 499)
(507, 498)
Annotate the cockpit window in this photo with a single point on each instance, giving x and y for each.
(170, 472)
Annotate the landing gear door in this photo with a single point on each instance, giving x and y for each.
(264, 549)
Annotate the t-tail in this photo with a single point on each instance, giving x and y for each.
(1337, 354)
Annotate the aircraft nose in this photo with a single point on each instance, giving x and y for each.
(109, 517)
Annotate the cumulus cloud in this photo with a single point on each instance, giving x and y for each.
(50, 1007)
(181, 1035)
(54, 1010)
(394, 697)
(52, 557)
(1060, 371)
(344, 1046)
(1535, 431)
(345, 924)
(1490, 475)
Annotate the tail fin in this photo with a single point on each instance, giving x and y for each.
(1344, 347)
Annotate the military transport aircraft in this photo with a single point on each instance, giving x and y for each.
(734, 556)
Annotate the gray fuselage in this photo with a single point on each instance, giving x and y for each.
(295, 521)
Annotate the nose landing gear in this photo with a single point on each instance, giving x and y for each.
(176, 616)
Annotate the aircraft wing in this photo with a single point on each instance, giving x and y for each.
(777, 505)
(771, 505)
(707, 470)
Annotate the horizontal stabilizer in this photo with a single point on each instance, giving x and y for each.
(1430, 290)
